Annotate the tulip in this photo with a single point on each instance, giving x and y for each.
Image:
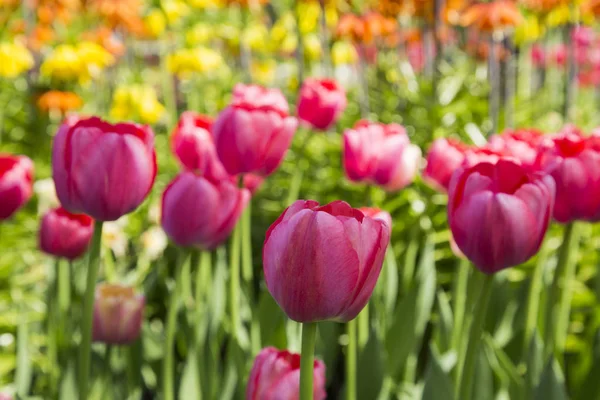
(378, 214)
(573, 162)
(380, 154)
(101, 169)
(275, 375)
(322, 262)
(16, 183)
(321, 102)
(443, 158)
(476, 155)
(254, 132)
(118, 313)
(63, 234)
(197, 211)
(499, 213)
(521, 144)
(538, 56)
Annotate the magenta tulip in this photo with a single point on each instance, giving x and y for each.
(376, 213)
(103, 170)
(254, 132)
(521, 144)
(322, 262)
(118, 314)
(499, 213)
(16, 183)
(321, 102)
(275, 375)
(380, 154)
(63, 234)
(443, 158)
(574, 163)
(200, 212)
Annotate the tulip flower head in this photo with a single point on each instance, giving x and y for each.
(63, 234)
(380, 154)
(443, 158)
(378, 214)
(521, 144)
(275, 375)
(103, 170)
(322, 262)
(321, 102)
(118, 313)
(499, 213)
(16, 183)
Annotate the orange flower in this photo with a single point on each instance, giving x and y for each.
(59, 101)
(120, 13)
(39, 36)
(106, 38)
(490, 17)
(591, 7)
(367, 28)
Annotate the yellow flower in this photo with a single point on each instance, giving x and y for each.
(529, 30)
(264, 71)
(200, 60)
(174, 10)
(94, 57)
(343, 53)
(81, 62)
(559, 16)
(200, 33)
(312, 47)
(155, 23)
(202, 4)
(136, 102)
(14, 59)
(256, 36)
(310, 17)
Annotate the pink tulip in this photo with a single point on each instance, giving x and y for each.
(538, 56)
(118, 313)
(322, 262)
(275, 375)
(321, 102)
(574, 163)
(380, 154)
(254, 132)
(101, 169)
(443, 158)
(252, 182)
(376, 213)
(476, 155)
(499, 213)
(63, 234)
(200, 212)
(521, 144)
(16, 183)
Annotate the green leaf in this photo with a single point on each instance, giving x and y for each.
(270, 317)
(438, 385)
(552, 383)
(391, 280)
(400, 338)
(370, 369)
(503, 367)
(483, 382)
(444, 331)
(23, 374)
(68, 385)
(591, 386)
(190, 381)
(219, 290)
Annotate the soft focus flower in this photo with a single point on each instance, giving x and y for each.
(499, 213)
(46, 195)
(155, 23)
(118, 314)
(200, 60)
(138, 103)
(321, 102)
(275, 375)
(254, 132)
(106, 38)
(101, 169)
(521, 144)
(154, 243)
(200, 33)
(380, 154)
(443, 159)
(63, 234)
(201, 212)
(174, 10)
(322, 262)
(124, 14)
(16, 178)
(263, 71)
(114, 237)
(343, 53)
(489, 17)
(538, 55)
(57, 101)
(81, 62)
(574, 163)
(14, 59)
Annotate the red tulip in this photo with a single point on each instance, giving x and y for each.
(322, 262)
(444, 157)
(63, 234)
(574, 163)
(321, 102)
(499, 213)
(275, 375)
(16, 183)
(376, 213)
(101, 169)
(118, 313)
(380, 154)
(254, 132)
(521, 144)
(476, 155)
(197, 211)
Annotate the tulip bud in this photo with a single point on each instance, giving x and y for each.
(118, 314)
(200, 212)
(101, 169)
(16, 177)
(275, 375)
(443, 158)
(380, 154)
(63, 234)
(521, 144)
(499, 213)
(322, 262)
(321, 102)
(254, 132)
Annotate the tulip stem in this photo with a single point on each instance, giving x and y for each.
(88, 311)
(234, 280)
(247, 268)
(464, 388)
(168, 365)
(460, 300)
(351, 361)
(533, 300)
(307, 360)
(63, 271)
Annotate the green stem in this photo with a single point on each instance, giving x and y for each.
(201, 273)
(460, 300)
(363, 327)
(554, 295)
(533, 300)
(107, 371)
(296, 181)
(464, 388)
(247, 270)
(307, 360)
(234, 281)
(351, 361)
(88, 311)
(566, 296)
(168, 365)
(64, 286)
